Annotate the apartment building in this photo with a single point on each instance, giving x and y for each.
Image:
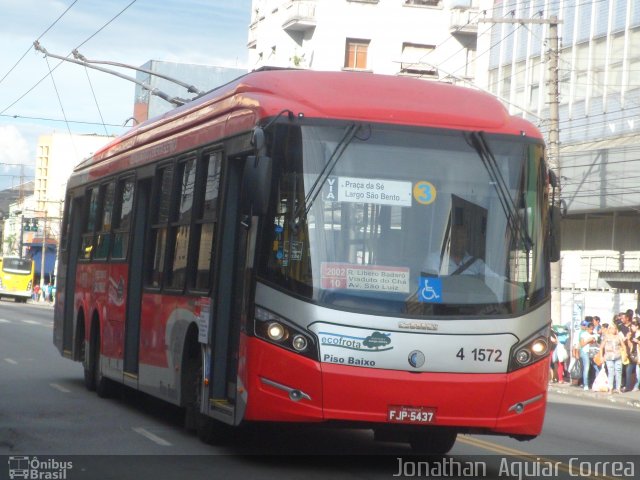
(432, 39)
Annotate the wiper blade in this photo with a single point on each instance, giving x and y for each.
(316, 188)
(516, 224)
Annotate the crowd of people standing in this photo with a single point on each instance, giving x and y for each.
(603, 356)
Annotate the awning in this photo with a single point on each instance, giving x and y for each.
(627, 280)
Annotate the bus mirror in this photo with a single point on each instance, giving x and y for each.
(554, 233)
(256, 184)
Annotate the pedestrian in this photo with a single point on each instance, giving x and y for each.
(586, 340)
(611, 350)
(36, 292)
(635, 352)
(628, 369)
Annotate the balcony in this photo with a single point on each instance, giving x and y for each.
(463, 21)
(299, 16)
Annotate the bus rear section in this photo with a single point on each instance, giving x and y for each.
(16, 278)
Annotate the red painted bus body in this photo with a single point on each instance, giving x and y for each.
(261, 283)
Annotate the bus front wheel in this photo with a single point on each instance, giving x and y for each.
(437, 442)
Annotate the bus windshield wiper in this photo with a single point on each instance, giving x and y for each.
(516, 223)
(348, 136)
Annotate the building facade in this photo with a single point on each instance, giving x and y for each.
(433, 39)
(34, 220)
(599, 123)
(202, 77)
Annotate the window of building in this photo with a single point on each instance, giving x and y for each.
(423, 3)
(356, 54)
(415, 59)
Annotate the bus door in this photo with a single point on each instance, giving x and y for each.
(136, 264)
(66, 279)
(229, 292)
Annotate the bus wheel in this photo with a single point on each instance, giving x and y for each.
(89, 369)
(208, 430)
(437, 442)
(104, 386)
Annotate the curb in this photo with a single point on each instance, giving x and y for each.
(629, 399)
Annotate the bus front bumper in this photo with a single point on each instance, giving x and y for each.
(283, 386)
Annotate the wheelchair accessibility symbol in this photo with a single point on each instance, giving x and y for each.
(430, 290)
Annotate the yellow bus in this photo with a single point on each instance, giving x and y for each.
(16, 278)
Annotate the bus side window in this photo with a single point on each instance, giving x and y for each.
(180, 226)
(122, 218)
(159, 225)
(103, 237)
(87, 245)
(206, 217)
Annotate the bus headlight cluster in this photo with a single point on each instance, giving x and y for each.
(275, 329)
(530, 350)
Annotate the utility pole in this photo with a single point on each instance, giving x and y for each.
(553, 137)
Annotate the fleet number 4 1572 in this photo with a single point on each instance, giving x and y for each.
(482, 355)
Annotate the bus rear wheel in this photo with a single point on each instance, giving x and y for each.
(437, 442)
(103, 386)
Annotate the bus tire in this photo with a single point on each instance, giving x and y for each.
(436, 442)
(207, 429)
(85, 355)
(104, 386)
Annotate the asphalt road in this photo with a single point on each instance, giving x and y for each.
(45, 412)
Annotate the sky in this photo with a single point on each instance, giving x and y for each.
(35, 102)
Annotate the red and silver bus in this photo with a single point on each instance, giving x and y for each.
(280, 250)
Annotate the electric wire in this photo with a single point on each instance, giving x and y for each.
(41, 35)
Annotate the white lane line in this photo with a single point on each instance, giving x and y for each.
(31, 322)
(2, 320)
(151, 436)
(60, 388)
(11, 361)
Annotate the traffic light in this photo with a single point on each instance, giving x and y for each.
(30, 224)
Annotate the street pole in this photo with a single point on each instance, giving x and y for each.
(553, 153)
(553, 143)
(44, 250)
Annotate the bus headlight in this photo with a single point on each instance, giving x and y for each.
(530, 350)
(276, 330)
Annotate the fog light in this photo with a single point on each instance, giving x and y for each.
(523, 357)
(276, 331)
(539, 347)
(299, 343)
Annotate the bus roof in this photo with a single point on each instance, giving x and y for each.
(240, 104)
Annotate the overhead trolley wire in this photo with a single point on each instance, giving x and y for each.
(41, 35)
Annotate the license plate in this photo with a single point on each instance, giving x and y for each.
(403, 414)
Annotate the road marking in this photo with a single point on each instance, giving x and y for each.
(60, 388)
(11, 361)
(2, 320)
(151, 436)
(31, 322)
(493, 447)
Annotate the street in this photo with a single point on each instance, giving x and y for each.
(46, 411)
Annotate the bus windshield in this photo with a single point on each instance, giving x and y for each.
(405, 220)
(16, 265)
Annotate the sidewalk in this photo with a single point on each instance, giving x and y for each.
(630, 399)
